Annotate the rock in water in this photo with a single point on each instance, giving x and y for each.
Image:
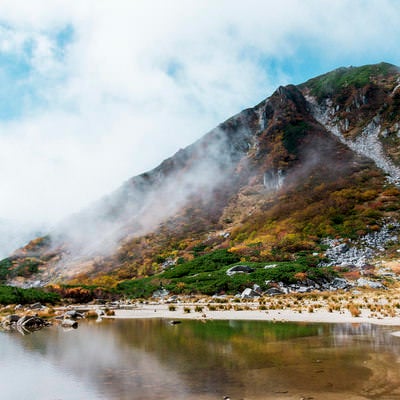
(73, 314)
(69, 323)
(31, 322)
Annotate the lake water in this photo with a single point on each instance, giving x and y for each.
(151, 359)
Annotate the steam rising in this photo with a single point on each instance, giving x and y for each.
(14, 234)
(145, 201)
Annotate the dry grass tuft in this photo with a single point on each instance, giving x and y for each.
(354, 310)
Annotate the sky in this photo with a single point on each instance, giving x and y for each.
(95, 92)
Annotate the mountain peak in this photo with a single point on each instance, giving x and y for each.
(268, 184)
(346, 77)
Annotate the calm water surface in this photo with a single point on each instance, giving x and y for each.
(150, 359)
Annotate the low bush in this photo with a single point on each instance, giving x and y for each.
(14, 295)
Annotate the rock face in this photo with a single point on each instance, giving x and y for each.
(273, 179)
(307, 162)
(361, 251)
(368, 143)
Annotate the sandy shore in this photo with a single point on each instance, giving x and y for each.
(278, 315)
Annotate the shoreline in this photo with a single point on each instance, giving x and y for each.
(357, 307)
(368, 306)
(161, 311)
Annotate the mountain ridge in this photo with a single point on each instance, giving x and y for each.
(270, 182)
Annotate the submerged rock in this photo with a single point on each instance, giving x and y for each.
(69, 323)
(31, 323)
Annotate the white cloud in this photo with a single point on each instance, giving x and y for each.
(138, 80)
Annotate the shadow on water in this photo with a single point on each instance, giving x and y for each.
(151, 359)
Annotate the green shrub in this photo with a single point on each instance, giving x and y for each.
(14, 295)
(28, 267)
(138, 288)
(208, 262)
(5, 266)
(292, 135)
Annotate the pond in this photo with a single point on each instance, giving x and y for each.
(152, 359)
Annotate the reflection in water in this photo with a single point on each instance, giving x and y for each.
(151, 359)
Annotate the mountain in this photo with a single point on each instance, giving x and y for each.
(311, 167)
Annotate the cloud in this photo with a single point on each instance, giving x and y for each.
(99, 91)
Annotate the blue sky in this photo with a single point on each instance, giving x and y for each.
(20, 81)
(94, 92)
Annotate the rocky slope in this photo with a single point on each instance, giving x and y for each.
(311, 162)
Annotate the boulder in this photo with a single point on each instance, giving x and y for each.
(305, 289)
(172, 299)
(273, 291)
(239, 269)
(161, 293)
(31, 322)
(249, 293)
(73, 314)
(362, 282)
(9, 320)
(257, 288)
(12, 318)
(99, 312)
(340, 284)
(36, 306)
(341, 248)
(283, 288)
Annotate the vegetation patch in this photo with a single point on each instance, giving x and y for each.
(328, 84)
(213, 277)
(12, 267)
(5, 266)
(292, 135)
(14, 295)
